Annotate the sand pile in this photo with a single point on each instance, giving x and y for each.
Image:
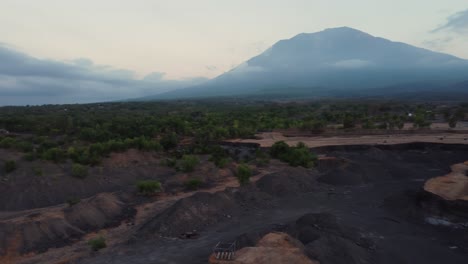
(274, 248)
(453, 186)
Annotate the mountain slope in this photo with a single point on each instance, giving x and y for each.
(342, 59)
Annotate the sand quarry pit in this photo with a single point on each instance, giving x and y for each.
(339, 212)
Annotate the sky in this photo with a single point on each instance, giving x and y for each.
(135, 47)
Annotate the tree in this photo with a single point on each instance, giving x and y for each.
(97, 243)
(453, 122)
(10, 165)
(188, 163)
(148, 187)
(169, 141)
(79, 171)
(243, 174)
(348, 122)
(278, 149)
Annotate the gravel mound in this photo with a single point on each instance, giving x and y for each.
(288, 181)
(192, 213)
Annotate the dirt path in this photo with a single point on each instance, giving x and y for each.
(267, 139)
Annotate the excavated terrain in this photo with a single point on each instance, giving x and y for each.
(360, 204)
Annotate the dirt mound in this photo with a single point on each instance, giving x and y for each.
(191, 213)
(288, 181)
(41, 183)
(41, 229)
(342, 172)
(99, 211)
(327, 241)
(271, 249)
(279, 240)
(453, 186)
(204, 209)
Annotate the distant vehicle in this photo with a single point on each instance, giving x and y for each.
(4, 132)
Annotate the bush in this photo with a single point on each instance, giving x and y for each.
(30, 156)
(38, 171)
(221, 162)
(72, 201)
(279, 149)
(299, 155)
(169, 141)
(261, 158)
(97, 243)
(54, 154)
(79, 171)
(10, 165)
(188, 163)
(193, 184)
(169, 163)
(243, 174)
(148, 187)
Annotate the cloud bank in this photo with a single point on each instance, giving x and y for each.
(457, 23)
(28, 80)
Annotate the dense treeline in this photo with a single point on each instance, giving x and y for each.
(87, 133)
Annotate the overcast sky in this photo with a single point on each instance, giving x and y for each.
(163, 40)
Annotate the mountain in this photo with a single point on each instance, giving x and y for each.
(338, 61)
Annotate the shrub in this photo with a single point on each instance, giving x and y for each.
(30, 156)
(193, 184)
(97, 243)
(261, 158)
(169, 141)
(279, 149)
(54, 154)
(148, 187)
(79, 171)
(10, 165)
(299, 155)
(169, 163)
(221, 162)
(37, 171)
(72, 201)
(188, 163)
(243, 174)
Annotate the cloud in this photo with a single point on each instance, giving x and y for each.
(28, 80)
(457, 23)
(438, 44)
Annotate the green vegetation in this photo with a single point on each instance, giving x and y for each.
(72, 201)
(98, 243)
(38, 171)
(188, 163)
(10, 165)
(261, 158)
(148, 187)
(179, 130)
(299, 155)
(243, 174)
(193, 184)
(79, 171)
